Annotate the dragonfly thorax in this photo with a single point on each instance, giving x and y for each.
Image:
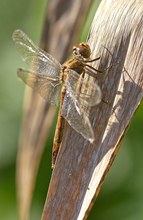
(77, 65)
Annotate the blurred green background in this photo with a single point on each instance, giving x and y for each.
(122, 194)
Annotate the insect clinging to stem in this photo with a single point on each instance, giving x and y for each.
(70, 83)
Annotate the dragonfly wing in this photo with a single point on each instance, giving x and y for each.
(38, 60)
(77, 119)
(84, 90)
(81, 95)
(47, 87)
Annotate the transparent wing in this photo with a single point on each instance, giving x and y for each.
(82, 93)
(47, 87)
(38, 60)
(78, 120)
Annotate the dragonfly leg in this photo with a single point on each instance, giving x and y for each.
(90, 61)
(105, 101)
(91, 67)
(83, 74)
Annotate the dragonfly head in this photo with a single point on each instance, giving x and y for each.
(83, 50)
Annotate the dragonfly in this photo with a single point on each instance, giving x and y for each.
(72, 84)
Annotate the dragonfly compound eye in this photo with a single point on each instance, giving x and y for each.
(76, 51)
(82, 49)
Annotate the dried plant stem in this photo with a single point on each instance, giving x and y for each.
(81, 167)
